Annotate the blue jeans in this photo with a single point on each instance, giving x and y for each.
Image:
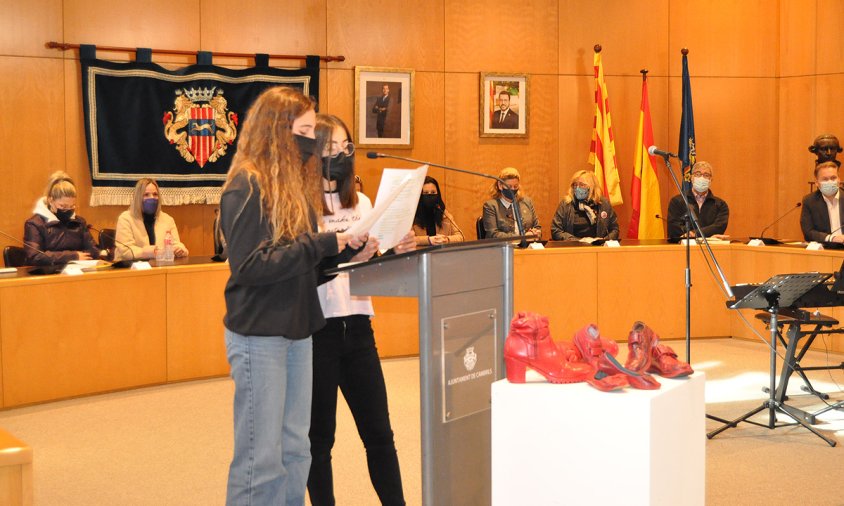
(272, 414)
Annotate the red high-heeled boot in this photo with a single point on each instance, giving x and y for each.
(639, 344)
(529, 345)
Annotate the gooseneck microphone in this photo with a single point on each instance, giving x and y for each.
(774, 241)
(122, 263)
(506, 191)
(653, 150)
(52, 268)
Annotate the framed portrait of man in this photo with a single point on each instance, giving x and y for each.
(383, 107)
(504, 105)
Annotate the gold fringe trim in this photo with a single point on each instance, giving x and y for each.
(121, 196)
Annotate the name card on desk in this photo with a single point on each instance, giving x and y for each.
(612, 244)
(72, 270)
(141, 266)
(756, 242)
(814, 246)
(536, 245)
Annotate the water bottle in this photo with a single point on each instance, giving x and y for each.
(168, 247)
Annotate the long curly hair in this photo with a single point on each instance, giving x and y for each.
(291, 195)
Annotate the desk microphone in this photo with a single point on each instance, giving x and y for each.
(769, 241)
(52, 268)
(506, 191)
(122, 263)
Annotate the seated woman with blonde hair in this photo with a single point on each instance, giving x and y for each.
(142, 229)
(498, 212)
(584, 213)
(55, 229)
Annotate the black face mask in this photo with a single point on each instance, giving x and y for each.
(64, 215)
(307, 147)
(429, 202)
(340, 167)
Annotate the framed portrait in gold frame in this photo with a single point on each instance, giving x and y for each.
(383, 107)
(504, 105)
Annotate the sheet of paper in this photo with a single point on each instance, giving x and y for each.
(395, 206)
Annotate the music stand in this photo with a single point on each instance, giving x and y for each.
(781, 290)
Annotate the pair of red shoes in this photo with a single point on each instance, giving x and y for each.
(591, 358)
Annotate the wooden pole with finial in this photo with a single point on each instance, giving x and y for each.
(597, 48)
(644, 73)
(685, 51)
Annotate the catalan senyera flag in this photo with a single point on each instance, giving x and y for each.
(602, 152)
(644, 189)
(687, 152)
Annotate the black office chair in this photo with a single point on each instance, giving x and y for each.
(14, 256)
(106, 241)
(479, 228)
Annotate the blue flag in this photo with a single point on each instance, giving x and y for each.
(687, 150)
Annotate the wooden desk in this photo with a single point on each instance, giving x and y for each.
(66, 336)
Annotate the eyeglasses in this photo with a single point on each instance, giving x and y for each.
(702, 174)
(344, 147)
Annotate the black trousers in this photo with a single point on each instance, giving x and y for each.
(345, 356)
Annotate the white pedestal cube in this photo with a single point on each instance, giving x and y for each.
(574, 445)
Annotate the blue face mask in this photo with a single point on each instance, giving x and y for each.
(581, 193)
(150, 206)
(829, 188)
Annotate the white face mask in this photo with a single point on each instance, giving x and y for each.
(700, 184)
(829, 188)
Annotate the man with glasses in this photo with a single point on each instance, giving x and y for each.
(712, 212)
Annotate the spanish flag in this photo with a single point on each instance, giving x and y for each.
(602, 152)
(644, 189)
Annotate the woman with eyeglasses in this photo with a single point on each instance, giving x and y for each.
(433, 224)
(584, 213)
(345, 356)
(56, 229)
(498, 217)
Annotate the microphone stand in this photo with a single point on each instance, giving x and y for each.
(506, 191)
(691, 219)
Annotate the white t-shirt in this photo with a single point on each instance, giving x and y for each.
(334, 296)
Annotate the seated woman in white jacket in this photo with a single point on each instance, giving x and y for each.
(143, 227)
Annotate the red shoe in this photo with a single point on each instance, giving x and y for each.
(603, 383)
(665, 363)
(529, 345)
(639, 345)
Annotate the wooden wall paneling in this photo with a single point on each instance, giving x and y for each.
(736, 129)
(632, 35)
(559, 284)
(795, 164)
(487, 37)
(575, 123)
(385, 33)
(798, 39)
(829, 55)
(195, 346)
(159, 24)
(263, 26)
(396, 326)
(534, 157)
(26, 26)
(725, 38)
(67, 353)
(829, 107)
(33, 97)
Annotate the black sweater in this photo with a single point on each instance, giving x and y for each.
(272, 289)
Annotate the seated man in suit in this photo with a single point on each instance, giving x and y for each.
(712, 212)
(821, 214)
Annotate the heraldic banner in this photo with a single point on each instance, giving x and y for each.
(179, 127)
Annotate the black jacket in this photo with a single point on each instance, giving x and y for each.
(272, 290)
(814, 217)
(60, 242)
(713, 215)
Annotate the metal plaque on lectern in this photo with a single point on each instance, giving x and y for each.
(469, 363)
